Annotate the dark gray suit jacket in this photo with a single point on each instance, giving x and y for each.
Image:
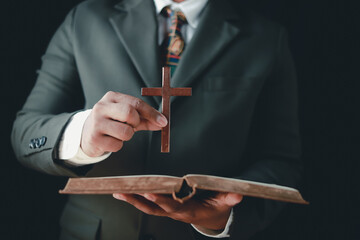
(240, 122)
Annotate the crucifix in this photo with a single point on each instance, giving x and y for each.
(166, 92)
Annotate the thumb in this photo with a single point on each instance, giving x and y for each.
(231, 199)
(146, 125)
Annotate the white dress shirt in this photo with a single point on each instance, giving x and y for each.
(69, 147)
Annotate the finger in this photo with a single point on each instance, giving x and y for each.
(99, 144)
(147, 125)
(229, 199)
(110, 144)
(149, 113)
(118, 130)
(117, 106)
(165, 202)
(141, 203)
(145, 110)
(124, 113)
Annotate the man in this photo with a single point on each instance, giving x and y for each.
(241, 120)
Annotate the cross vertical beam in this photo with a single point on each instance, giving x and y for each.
(166, 91)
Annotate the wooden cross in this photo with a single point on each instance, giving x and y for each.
(166, 92)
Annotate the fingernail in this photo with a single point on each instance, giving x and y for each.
(161, 119)
(119, 196)
(149, 197)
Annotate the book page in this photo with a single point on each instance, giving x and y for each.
(124, 184)
(244, 187)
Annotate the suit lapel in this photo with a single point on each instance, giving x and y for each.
(136, 26)
(214, 33)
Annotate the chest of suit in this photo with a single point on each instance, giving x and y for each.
(225, 65)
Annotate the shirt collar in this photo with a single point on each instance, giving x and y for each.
(190, 8)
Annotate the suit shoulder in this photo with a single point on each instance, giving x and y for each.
(261, 23)
(245, 11)
(257, 26)
(95, 7)
(90, 13)
(249, 20)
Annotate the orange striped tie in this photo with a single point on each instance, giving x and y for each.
(174, 44)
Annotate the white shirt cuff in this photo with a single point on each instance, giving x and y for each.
(214, 233)
(69, 147)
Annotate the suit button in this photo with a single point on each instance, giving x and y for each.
(42, 141)
(37, 143)
(32, 143)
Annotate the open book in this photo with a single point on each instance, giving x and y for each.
(181, 188)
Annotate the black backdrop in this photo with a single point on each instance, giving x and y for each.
(325, 44)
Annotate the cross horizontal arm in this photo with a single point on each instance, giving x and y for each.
(181, 92)
(151, 91)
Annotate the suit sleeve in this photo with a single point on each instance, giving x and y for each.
(274, 144)
(56, 96)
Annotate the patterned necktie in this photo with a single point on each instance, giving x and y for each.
(173, 44)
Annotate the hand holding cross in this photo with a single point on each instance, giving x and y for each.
(166, 91)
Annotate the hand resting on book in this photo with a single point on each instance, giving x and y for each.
(210, 213)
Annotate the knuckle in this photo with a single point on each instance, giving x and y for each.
(128, 111)
(183, 216)
(109, 94)
(120, 145)
(174, 211)
(190, 215)
(176, 216)
(115, 146)
(98, 108)
(138, 103)
(128, 132)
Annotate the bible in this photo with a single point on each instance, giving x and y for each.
(181, 188)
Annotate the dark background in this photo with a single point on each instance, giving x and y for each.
(324, 40)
